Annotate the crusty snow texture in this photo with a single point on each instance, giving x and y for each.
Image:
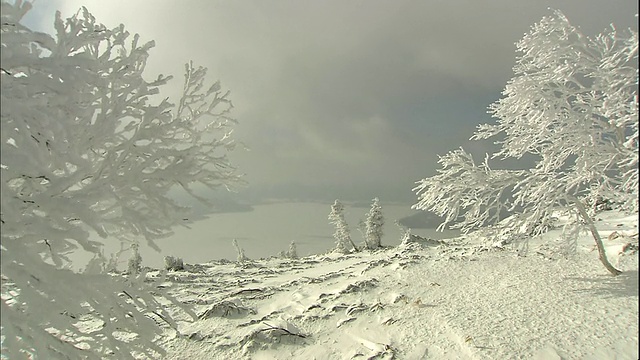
(459, 300)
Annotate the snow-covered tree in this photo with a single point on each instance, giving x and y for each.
(405, 231)
(342, 233)
(292, 253)
(572, 107)
(241, 257)
(85, 147)
(373, 225)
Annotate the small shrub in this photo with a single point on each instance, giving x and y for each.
(173, 263)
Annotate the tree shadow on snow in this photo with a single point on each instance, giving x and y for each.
(623, 285)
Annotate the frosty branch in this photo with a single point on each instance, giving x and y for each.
(87, 147)
(573, 106)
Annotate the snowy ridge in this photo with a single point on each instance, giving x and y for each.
(416, 302)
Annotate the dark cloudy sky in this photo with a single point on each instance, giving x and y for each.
(344, 99)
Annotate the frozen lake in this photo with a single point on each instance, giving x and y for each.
(269, 229)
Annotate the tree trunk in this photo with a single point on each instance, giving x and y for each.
(596, 236)
(354, 245)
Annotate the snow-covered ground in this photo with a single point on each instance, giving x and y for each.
(416, 301)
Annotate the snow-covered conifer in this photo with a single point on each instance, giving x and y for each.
(342, 233)
(373, 225)
(85, 147)
(573, 108)
(292, 253)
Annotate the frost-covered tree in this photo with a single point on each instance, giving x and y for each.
(85, 147)
(373, 225)
(241, 257)
(572, 106)
(342, 233)
(292, 253)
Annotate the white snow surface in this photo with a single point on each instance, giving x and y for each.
(458, 300)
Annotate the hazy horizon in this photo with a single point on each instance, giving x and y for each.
(267, 229)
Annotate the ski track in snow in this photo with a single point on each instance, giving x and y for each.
(410, 302)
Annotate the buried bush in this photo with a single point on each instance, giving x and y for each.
(173, 263)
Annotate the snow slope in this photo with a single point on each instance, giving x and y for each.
(454, 301)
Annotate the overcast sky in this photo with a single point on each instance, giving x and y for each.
(343, 99)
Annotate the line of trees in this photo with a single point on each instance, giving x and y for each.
(372, 228)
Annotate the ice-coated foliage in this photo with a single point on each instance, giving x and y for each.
(373, 225)
(572, 106)
(342, 233)
(85, 146)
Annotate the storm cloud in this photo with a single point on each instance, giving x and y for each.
(344, 99)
